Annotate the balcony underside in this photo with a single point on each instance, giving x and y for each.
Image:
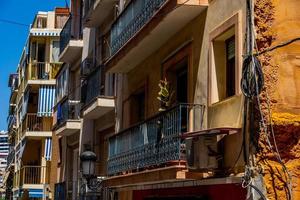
(99, 107)
(159, 175)
(68, 128)
(37, 134)
(41, 82)
(171, 18)
(99, 12)
(72, 51)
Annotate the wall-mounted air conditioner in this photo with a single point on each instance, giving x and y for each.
(202, 153)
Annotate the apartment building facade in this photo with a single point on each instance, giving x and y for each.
(31, 102)
(153, 89)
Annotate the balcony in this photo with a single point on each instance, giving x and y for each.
(13, 84)
(96, 103)
(71, 44)
(10, 158)
(32, 175)
(36, 127)
(68, 118)
(11, 122)
(148, 24)
(92, 8)
(156, 142)
(42, 73)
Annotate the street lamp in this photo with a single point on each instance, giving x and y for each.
(88, 160)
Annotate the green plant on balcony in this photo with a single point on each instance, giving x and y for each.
(165, 94)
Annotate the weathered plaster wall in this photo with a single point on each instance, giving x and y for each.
(278, 21)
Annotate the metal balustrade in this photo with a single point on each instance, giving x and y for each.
(88, 5)
(10, 157)
(93, 85)
(68, 111)
(11, 121)
(34, 123)
(131, 20)
(32, 175)
(156, 141)
(39, 71)
(65, 35)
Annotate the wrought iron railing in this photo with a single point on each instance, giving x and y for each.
(131, 20)
(65, 35)
(88, 5)
(156, 141)
(10, 157)
(93, 85)
(11, 121)
(68, 110)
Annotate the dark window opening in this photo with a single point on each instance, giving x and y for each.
(137, 107)
(230, 66)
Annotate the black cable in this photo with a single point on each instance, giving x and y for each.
(13, 22)
(278, 46)
(252, 77)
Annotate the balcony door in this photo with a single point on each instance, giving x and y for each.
(178, 72)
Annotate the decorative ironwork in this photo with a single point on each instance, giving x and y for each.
(88, 5)
(131, 20)
(68, 111)
(156, 141)
(10, 157)
(93, 85)
(65, 35)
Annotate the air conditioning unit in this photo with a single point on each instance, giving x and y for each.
(202, 153)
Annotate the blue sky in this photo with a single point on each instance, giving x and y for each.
(13, 38)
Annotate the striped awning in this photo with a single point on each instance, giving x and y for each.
(48, 148)
(46, 100)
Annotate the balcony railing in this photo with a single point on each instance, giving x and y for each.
(32, 122)
(32, 175)
(154, 142)
(42, 71)
(131, 20)
(68, 111)
(70, 31)
(39, 71)
(11, 120)
(65, 35)
(93, 85)
(88, 5)
(10, 157)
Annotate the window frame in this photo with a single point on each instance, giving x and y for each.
(233, 22)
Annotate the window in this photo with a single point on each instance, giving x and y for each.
(137, 106)
(62, 85)
(224, 63)
(41, 22)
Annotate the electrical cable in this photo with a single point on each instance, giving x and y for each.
(278, 46)
(252, 80)
(14, 22)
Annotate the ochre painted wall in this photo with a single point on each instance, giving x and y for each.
(278, 21)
